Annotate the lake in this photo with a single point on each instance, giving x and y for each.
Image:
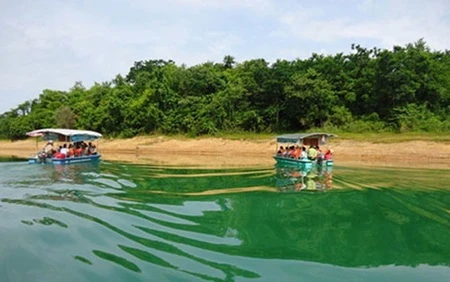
(115, 221)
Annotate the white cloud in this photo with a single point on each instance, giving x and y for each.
(390, 23)
(229, 4)
(52, 44)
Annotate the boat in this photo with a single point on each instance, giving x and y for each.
(66, 136)
(307, 140)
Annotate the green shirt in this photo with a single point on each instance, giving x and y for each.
(312, 153)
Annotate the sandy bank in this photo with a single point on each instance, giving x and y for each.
(229, 153)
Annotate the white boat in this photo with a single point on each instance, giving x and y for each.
(64, 136)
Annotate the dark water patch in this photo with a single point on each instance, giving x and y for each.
(83, 260)
(146, 256)
(118, 260)
(50, 221)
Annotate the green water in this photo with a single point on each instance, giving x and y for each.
(127, 222)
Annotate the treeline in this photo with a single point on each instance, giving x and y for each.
(403, 89)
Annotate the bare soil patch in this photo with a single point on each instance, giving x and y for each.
(233, 153)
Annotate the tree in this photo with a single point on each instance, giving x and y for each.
(310, 99)
(361, 91)
(142, 115)
(65, 118)
(229, 62)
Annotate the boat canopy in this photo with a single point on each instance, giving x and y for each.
(298, 138)
(68, 135)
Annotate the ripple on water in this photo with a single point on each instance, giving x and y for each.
(104, 222)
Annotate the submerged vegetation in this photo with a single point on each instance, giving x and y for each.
(406, 89)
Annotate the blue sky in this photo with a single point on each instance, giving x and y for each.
(51, 44)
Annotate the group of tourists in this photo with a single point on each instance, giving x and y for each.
(312, 153)
(76, 149)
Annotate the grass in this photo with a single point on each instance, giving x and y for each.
(382, 137)
(390, 137)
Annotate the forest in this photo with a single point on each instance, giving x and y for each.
(406, 89)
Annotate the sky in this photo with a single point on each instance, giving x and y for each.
(51, 44)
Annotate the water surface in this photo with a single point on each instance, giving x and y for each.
(127, 222)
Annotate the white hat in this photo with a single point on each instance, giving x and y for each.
(50, 141)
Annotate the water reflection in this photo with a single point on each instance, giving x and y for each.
(119, 222)
(301, 178)
(76, 173)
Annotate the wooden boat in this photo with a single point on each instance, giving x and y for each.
(317, 140)
(65, 136)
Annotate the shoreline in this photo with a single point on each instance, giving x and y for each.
(220, 152)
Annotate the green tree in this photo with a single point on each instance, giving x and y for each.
(142, 115)
(229, 62)
(365, 90)
(64, 117)
(310, 99)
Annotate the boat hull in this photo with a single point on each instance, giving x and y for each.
(71, 160)
(301, 162)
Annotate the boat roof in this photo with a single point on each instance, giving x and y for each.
(298, 137)
(72, 135)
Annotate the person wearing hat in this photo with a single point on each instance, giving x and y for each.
(48, 149)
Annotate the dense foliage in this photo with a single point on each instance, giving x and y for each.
(404, 89)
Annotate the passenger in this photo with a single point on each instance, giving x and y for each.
(291, 153)
(48, 149)
(78, 150)
(59, 155)
(328, 154)
(319, 153)
(92, 149)
(286, 152)
(312, 153)
(297, 152)
(303, 154)
(84, 147)
(281, 151)
(71, 151)
(64, 150)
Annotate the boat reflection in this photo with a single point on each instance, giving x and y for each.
(301, 178)
(75, 173)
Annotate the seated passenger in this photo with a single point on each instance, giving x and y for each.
(303, 154)
(297, 152)
(78, 150)
(312, 153)
(286, 152)
(64, 150)
(48, 149)
(291, 153)
(91, 149)
(280, 151)
(319, 153)
(84, 148)
(71, 151)
(59, 155)
(328, 154)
